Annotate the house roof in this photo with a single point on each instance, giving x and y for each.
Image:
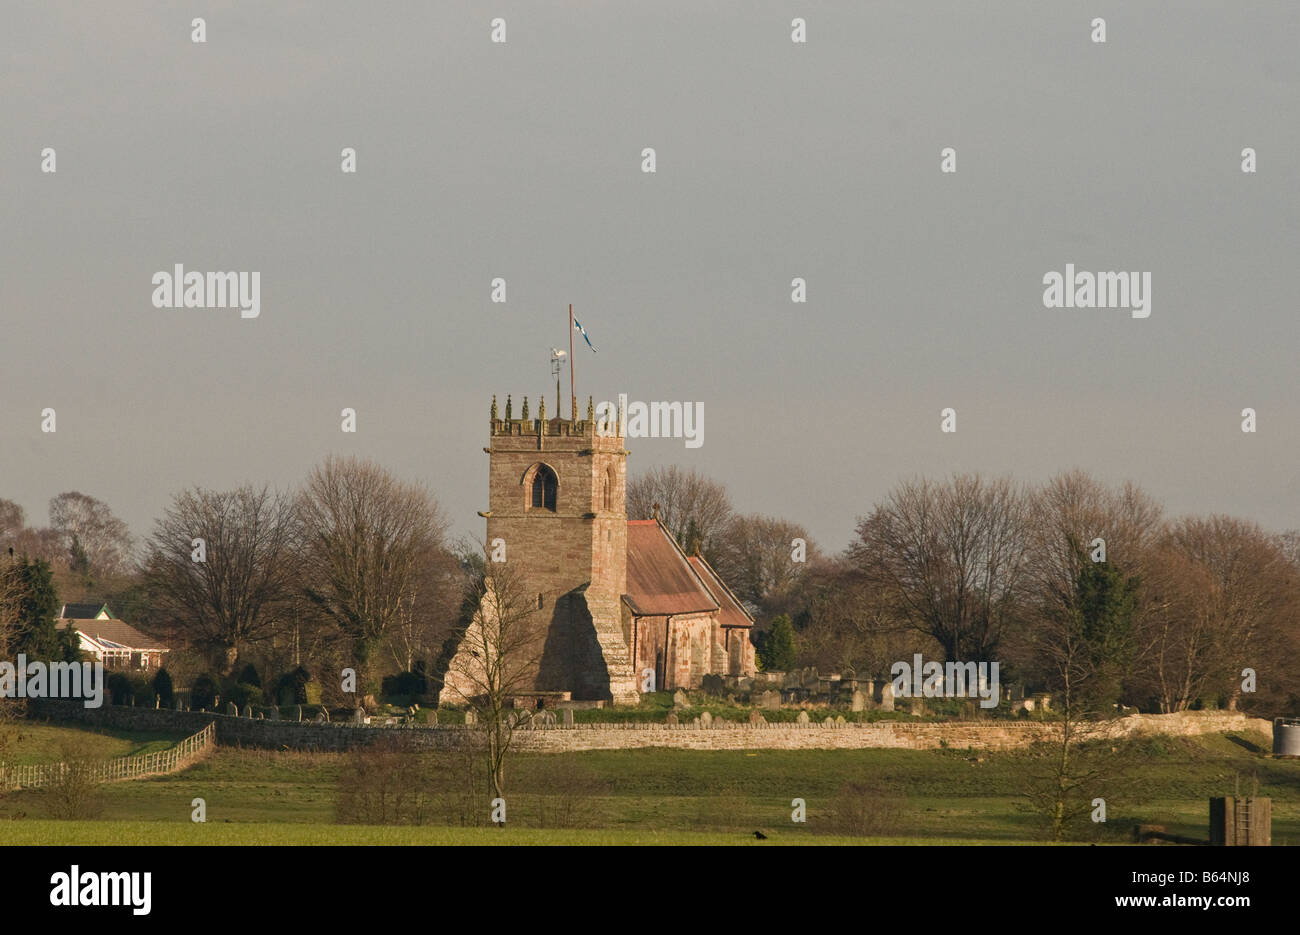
(660, 579)
(84, 611)
(113, 631)
(732, 612)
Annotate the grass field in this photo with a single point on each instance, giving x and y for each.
(31, 742)
(662, 796)
(109, 833)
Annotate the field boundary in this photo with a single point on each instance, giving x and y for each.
(173, 759)
(719, 735)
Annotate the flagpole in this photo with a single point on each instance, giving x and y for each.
(572, 380)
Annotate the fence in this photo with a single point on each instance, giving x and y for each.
(127, 767)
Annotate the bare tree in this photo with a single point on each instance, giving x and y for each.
(236, 594)
(365, 534)
(1224, 594)
(95, 540)
(951, 559)
(428, 610)
(13, 520)
(755, 555)
(496, 659)
(694, 508)
(1082, 645)
(844, 620)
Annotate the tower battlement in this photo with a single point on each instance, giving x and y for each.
(528, 425)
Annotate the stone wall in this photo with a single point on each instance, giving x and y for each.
(984, 735)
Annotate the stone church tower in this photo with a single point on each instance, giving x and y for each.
(557, 502)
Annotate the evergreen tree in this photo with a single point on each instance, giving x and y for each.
(35, 604)
(777, 654)
(1107, 604)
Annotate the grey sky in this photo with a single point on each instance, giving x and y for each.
(775, 160)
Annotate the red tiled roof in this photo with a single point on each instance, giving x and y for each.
(660, 579)
(115, 630)
(732, 613)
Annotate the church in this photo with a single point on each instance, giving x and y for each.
(622, 606)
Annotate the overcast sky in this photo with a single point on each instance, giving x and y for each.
(775, 160)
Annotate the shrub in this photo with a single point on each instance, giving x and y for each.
(291, 688)
(242, 693)
(866, 809)
(382, 785)
(248, 675)
(203, 693)
(119, 687)
(405, 685)
(162, 687)
(73, 793)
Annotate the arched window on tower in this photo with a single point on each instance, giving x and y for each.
(544, 487)
(608, 489)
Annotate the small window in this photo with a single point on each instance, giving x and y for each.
(544, 487)
(539, 600)
(609, 483)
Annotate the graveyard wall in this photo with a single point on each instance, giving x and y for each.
(986, 735)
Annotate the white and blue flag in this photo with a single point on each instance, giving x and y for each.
(582, 331)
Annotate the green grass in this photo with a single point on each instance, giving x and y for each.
(33, 742)
(109, 833)
(683, 796)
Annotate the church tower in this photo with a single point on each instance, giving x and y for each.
(556, 498)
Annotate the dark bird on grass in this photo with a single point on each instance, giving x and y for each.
(760, 835)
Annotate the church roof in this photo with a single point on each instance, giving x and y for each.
(732, 613)
(660, 578)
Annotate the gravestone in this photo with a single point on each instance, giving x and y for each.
(231, 709)
(157, 702)
(802, 718)
(547, 718)
(176, 704)
(298, 708)
(840, 722)
(917, 707)
(772, 700)
(471, 718)
(431, 717)
(671, 720)
(273, 713)
(756, 718)
(321, 718)
(358, 715)
(887, 697)
(680, 700)
(828, 722)
(568, 717)
(720, 722)
(696, 723)
(248, 711)
(858, 702)
(706, 720)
